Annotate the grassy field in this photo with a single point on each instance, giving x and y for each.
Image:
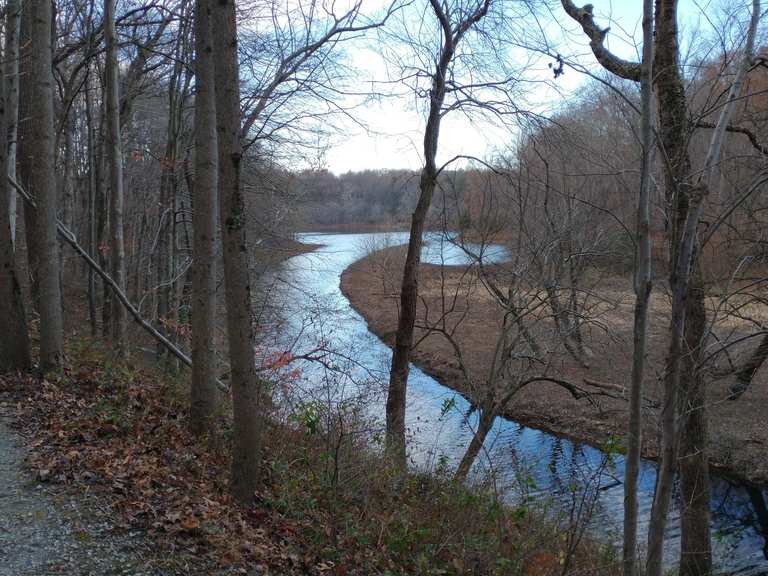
(738, 430)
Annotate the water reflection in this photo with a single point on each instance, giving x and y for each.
(313, 315)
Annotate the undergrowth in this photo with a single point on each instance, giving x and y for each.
(329, 503)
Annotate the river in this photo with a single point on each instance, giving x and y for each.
(314, 316)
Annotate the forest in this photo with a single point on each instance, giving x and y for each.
(417, 287)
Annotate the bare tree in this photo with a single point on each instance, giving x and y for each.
(683, 417)
(115, 160)
(37, 161)
(642, 286)
(247, 390)
(172, 230)
(202, 397)
(11, 87)
(527, 338)
(696, 555)
(249, 395)
(455, 20)
(305, 40)
(14, 338)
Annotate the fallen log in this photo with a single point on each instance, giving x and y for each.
(69, 237)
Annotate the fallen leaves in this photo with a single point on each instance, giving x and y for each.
(543, 564)
(120, 434)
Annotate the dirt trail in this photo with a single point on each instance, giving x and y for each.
(47, 530)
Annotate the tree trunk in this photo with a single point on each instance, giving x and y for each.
(119, 318)
(247, 391)
(643, 285)
(695, 545)
(573, 261)
(203, 393)
(92, 191)
(164, 260)
(673, 119)
(66, 184)
(14, 338)
(37, 167)
(24, 140)
(484, 425)
(102, 224)
(409, 296)
(747, 372)
(11, 87)
(562, 321)
(409, 290)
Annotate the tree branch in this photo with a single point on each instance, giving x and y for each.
(69, 237)
(762, 148)
(618, 66)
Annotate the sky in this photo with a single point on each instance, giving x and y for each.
(392, 128)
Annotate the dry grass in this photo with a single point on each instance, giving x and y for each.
(738, 431)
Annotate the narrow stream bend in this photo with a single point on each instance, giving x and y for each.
(313, 311)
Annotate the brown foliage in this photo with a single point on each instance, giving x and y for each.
(122, 433)
(119, 431)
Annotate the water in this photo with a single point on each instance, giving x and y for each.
(316, 319)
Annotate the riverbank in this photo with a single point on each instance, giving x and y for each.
(738, 430)
(355, 228)
(327, 505)
(280, 250)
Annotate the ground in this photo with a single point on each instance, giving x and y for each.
(46, 531)
(738, 429)
(104, 478)
(99, 476)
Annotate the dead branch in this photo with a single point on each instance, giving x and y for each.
(762, 148)
(69, 237)
(618, 66)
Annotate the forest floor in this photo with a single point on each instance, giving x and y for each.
(85, 492)
(99, 476)
(45, 531)
(738, 429)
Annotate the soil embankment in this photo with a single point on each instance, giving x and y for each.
(279, 251)
(738, 429)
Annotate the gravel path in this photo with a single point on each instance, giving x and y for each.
(49, 530)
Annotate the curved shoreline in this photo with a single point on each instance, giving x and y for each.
(356, 285)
